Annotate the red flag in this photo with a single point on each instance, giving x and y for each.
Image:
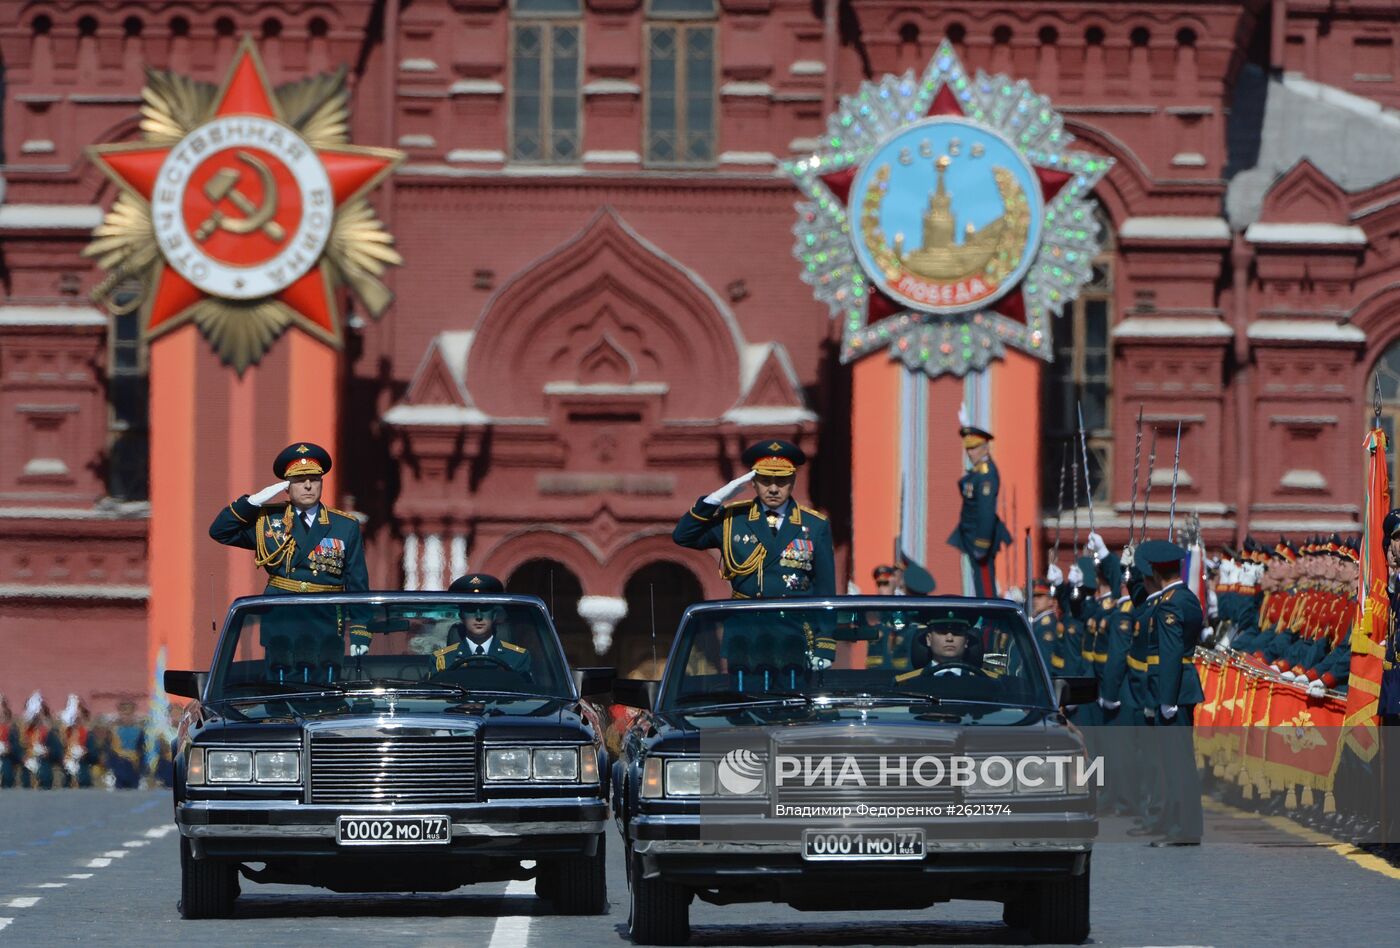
(1373, 606)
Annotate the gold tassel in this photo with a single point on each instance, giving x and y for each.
(1329, 802)
(1290, 800)
(1305, 799)
(1218, 770)
(1248, 790)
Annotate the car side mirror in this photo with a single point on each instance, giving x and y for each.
(594, 681)
(1075, 690)
(185, 684)
(636, 693)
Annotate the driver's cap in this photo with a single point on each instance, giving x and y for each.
(477, 583)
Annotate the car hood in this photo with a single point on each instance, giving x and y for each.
(521, 718)
(964, 727)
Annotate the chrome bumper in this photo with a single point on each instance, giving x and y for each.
(279, 819)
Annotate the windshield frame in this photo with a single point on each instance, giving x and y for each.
(670, 686)
(233, 622)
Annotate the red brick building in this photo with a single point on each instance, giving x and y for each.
(599, 306)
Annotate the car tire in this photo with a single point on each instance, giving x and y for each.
(659, 910)
(577, 885)
(1018, 913)
(208, 889)
(1061, 910)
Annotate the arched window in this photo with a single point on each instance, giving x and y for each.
(663, 590)
(1387, 372)
(560, 589)
(681, 82)
(1081, 375)
(545, 81)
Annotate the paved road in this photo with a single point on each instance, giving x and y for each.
(100, 867)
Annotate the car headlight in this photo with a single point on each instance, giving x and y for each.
(277, 766)
(556, 763)
(508, 763)
(1039, 776)
(690, 778)
(229, 766)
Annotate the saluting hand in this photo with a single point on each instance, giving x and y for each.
(730, 489)
(269, 492)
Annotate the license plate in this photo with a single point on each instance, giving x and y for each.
(392, 830)
(862, 844)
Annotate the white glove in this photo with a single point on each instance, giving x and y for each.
(1097, 547)
(1076, 576)
(818, 663)
(1288, 676)
(1109, 705)
(1127, 558)
(1316, 689)
(729, 490)
(1229, 573)
(1054, 575)
(1207, 635)
(358, 648)
(267, 493)
(1168, 711)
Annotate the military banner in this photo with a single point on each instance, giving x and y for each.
(1373, 605)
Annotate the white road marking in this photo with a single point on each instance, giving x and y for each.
(513, 931)
(97, 864)
(25, 901)
(114, 854)
(5, 923)
(160, 831)
(136, 843)
(47, 885)
(78, 875)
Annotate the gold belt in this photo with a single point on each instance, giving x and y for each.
(1137, 664)
(297, 586)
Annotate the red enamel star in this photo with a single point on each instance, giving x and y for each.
(881, 305)
(243, 206)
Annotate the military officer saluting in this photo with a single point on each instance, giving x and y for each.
(771, 547)
(980, 533)
(304, 546)
(479, 633)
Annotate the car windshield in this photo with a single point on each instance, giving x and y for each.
(878, 648)
(438, 650)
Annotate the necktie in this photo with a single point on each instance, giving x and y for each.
(481, 650)
(773, 521)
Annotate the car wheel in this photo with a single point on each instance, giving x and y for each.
(659, 910)
(578, 885)
(1061, 910)
(1018, 913)
(207, 889)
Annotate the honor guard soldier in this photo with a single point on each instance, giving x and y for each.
(980, 533)
(771, 547)
(479, 634)
(305, 546)
(1173, 627)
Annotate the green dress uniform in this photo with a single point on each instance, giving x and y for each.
(1175, 630)
(780, 553)
(980, 533)
(463, 650)
(1120, 711)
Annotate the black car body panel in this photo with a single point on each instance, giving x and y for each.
(404, 749)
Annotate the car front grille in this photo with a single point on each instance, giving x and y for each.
(393, 770)
(829, 790)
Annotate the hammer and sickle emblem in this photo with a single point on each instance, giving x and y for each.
(224, 185)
